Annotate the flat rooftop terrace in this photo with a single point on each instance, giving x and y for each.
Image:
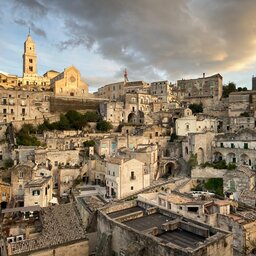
(167, 227)
(147, 222)
(182, 238)
(125, 212)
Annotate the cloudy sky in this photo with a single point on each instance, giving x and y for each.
(153, 39)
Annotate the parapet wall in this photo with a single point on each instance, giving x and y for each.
(61, 104)
(207, 172)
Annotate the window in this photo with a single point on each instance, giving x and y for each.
(4, 111)
(221, 145)
(131, 187)
(132, 176)
(113, 173)
(30, 61)
(56, 163)
(36, 192)
(20, 175)
(245, 145)
(31, 69)
(232, 145)
(12, 112)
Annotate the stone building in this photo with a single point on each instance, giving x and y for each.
(203, 87)
(195, 124)
(199, 144)
(8, 80)
(161, 89)
(139, 228)
(23, 105)
(5, 193)
(69, 84)
(66, 179)
(38, 191)
(117, 91)
(30, 79)
(113, 112)
(240, 102)
(238, 148)
(235, 182)
(125, 177)
(54, 230)
(20, 176)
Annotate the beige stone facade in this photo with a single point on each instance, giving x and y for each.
(69, 84)
(200, 87)
(22, 105)
(195, 124)
(125, 177)
(8, 80)
(236, 148)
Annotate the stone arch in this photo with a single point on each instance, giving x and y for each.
(170, 168)
(200, 156)
(132, 118)
(231, 158)
(217, 156)
(245, 159)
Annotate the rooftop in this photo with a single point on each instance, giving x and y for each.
(169, 228)
(61, 225)
(38, 182)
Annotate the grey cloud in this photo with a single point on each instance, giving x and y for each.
(32, 26)
(177, 38)
(34, 7)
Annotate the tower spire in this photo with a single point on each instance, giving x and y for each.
(29, 31)
(125, 76)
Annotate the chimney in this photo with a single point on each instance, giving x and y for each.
(203, 75)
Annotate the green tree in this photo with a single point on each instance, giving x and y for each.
(89, 143)
(26, 136)
(104, 126)
(196, 108)
(245, 114)
(227, 89)
(92, 116)
(64, 123)
(215, 185)
(8, 163)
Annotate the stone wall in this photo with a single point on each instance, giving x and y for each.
(61, 104)
(207, 172)
(77, 249)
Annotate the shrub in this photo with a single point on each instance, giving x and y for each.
(196, 108)
(215, 185)
(104, 126)
(89, 143)
(8, 163)
(26, 136)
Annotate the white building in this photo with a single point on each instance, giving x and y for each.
(124, 177)
(195, 124)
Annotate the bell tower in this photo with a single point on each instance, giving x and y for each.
(29, 57)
